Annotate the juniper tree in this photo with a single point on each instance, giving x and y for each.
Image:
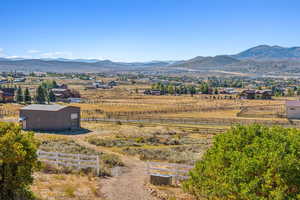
(40, 95)
(51, 96)
(249, 162)
(27, 97)
(19, 97)
(18, 160)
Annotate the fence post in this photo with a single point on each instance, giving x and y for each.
(148, 168)
(78, 161)
(97, 165)
(56, 158)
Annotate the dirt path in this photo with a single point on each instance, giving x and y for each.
(130, 184)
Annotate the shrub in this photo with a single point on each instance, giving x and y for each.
(18, 159)
(249, 162)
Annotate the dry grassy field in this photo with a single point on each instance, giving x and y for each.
(175, 141)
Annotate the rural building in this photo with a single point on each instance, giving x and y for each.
(19, 80)
(102, 85)
(112, 83)
(62, 94)
(248, 94)
(90, 87)
(62, 86)
(153, 92)
(263, 94)
(292, 109)
(228, 91)
(75, 100)
(7, 95)
(50, 117)
(256, 94)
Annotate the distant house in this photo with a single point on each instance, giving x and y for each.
(228, 91)
(61, 93)
(263, 94)
(248, 94)
(153, 92)
(50, 117)
(75, 100)
(98, 83)
(3, 81)
(102, 85)
(256, 94)
(90, 87)
(112, 83)
(19, 80)
(293, 109)
(63, 86)
(7, 95)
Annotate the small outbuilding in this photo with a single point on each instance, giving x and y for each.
(293, 109)
(50, 117)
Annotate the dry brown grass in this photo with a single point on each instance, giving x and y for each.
(66, 187)
(123, 102)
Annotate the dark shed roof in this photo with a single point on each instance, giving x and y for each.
(43, 107)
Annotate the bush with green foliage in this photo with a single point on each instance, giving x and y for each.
(18, 159)
(249, 162)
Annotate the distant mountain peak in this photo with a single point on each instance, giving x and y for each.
(265, 52)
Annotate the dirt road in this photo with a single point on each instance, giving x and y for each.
(128, 185)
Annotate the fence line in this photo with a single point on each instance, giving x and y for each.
(178, 171)
(79, 161)
(206, 121)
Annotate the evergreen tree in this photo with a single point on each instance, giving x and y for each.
(290, 92)
(40, 95)
(54, 84)
(170, 89)
(216, 91)
(27, 97)
(51, 96)
(19, 97)
(298, 91)
(192, 90)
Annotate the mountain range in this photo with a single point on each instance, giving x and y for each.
(260, 59)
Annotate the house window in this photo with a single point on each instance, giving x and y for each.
(292, 109)
(74, 115)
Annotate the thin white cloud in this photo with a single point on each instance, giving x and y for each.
(33, 51)
(57, 54)
(14, 57)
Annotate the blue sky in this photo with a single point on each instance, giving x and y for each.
(144, 30)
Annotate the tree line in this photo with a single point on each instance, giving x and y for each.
(173, 89)
(203, 88)
(43, 93)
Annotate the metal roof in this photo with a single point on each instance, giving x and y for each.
(54, 107)
(59, 89)
(293, 103)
